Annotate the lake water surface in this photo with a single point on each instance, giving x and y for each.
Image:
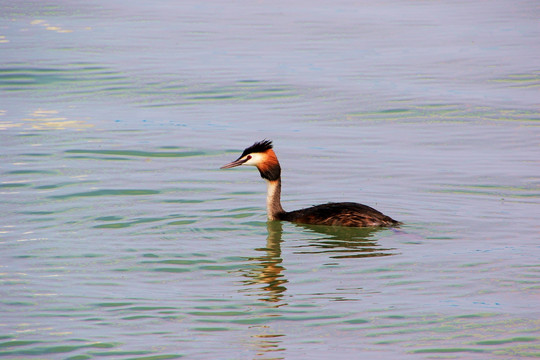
(120, 238)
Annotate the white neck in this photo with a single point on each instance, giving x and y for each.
(273, 199)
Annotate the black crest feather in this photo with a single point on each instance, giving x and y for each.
(260, 146)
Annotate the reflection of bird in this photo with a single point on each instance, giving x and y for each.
(342, 233)
(263, 157)
(267, 269)
(342, 242)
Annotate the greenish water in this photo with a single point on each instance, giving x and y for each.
(120, 237)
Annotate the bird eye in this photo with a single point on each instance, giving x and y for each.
(248, 157)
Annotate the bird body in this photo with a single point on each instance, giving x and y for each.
(262, 156)
(340, 214)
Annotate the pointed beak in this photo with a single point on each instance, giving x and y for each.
(235, 163)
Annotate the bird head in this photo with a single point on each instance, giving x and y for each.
(263, 157)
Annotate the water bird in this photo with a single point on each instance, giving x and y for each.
(262, 156)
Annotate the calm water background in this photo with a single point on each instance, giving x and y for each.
(121, 239)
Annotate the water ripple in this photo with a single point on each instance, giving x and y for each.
(137, 153)
(445, 113)
(80, 76)
(107, 192)
(81, 80)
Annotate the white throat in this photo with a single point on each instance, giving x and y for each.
(273, 199)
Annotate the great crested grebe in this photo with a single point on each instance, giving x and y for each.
(263, 157)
